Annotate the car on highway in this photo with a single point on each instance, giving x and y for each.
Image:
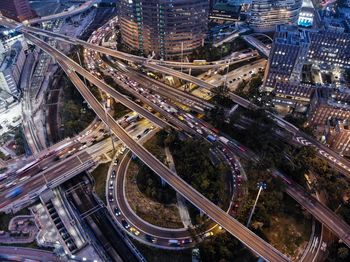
(208, 234)
(117, 211)
(110, 196)
(186, 241)
(150, 238)
(14, 192)
(125, 224)
(116, 162)
(113, 174)
(134, 231)
(110, 184)
(174, 242)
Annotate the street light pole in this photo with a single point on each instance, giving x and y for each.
(261, 186)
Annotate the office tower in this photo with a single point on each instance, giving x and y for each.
(287, 56)
(293, 48)
(11, 65)
(170, 28)
(266, 14)
(16, 9)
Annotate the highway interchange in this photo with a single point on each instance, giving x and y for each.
(326, 153)
(231, 225)
(222, 218)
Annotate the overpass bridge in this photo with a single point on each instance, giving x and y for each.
(343, 236)
(324, 152)
(49, 178)
(256, 43)
(74, 11)
(252, 241)
(125, 56)
(193, 196)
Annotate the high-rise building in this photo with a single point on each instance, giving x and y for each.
(16, 9)
(266, 14)
(329, 105)
(287, 56)
(293, 48)
(170, 28)
(11, 65)
(7, 41)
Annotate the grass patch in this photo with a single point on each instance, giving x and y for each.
(152, 211)
(100, 176)
(287, 233)
(152, 201)
(159, 255)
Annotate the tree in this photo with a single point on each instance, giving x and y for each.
(254, 86)
(224, 247)
(343, 253)
(221, 91)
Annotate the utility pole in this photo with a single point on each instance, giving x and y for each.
(261, 186)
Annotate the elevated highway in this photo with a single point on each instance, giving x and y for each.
(250, 39)
(286, 126)
(146, 158)
(48, 178)
(259, 246)
(319, 211)
(128, 57)
(84, 7)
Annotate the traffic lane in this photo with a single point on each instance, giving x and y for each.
(243, 73)
(128, 103)
(167, 115)
(126, 57)
(310, 256)
(27, 253)
(97, 82)
(322, 213)
(251, 240)
(324, 152)
(132, 217)
(130, 57)
(157, 85)
(144, 99)
(38, 181)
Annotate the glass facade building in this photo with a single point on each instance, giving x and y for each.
(167, 27)
(16, 9)
(266, 14)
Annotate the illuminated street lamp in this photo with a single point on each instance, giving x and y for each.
(261, 186)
